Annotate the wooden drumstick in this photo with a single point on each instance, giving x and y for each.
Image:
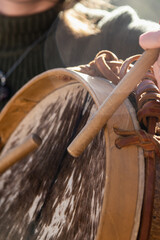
(18, 153)
(113, 101)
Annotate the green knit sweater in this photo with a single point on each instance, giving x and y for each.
(16, 35)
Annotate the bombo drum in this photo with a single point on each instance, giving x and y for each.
(49, 195)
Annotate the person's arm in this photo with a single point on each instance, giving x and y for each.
(152, 40)
(121, 29)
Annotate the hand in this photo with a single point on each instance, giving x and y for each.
(152, 40)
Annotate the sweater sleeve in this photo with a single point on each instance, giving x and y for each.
(121, 30)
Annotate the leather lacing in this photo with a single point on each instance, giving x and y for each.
(106, 64)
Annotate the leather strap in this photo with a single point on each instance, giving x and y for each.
(107, 65)
(139, 138)
(148, 102)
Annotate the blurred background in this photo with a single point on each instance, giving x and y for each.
(147, 9)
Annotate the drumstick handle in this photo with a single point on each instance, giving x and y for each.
(113, 101)
(18, 153)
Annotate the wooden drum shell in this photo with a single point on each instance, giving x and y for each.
(122, 193)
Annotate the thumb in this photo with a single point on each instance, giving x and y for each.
(150, 40)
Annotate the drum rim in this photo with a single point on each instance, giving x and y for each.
(70, 77)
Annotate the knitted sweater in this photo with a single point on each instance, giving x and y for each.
(119, 32)
(16, 35)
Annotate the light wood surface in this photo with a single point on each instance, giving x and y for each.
(113, 101)
(19, 152)
(124, 169)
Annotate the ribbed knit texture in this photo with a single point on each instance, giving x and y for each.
(16, 34)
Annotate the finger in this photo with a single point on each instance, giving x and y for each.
(150, 40)
(156, 69)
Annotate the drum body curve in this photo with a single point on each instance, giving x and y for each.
(51, 195)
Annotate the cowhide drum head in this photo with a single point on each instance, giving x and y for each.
(49, 195)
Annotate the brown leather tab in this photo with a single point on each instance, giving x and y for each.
(139, 138)
(149, 109)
